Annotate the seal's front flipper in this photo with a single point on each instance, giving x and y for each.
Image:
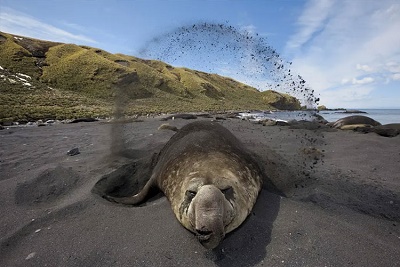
(148, 191)
(132, 200)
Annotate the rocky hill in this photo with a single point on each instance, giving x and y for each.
(41, 79)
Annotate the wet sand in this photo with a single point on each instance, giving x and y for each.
(336, 200)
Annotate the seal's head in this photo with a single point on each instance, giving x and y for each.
(209, 213)
(214, 197)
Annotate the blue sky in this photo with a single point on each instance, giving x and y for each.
(348, 51)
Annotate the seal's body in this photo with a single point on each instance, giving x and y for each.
(211, 181)
(351, 120)
(355, 126)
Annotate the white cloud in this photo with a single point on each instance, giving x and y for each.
(345, 80)
(18, 23)
(311, 21)
(393, 66)
(346, 40)
(365, 68)
(251, 29)
(396, 76)
(74, 26)
(364, 80)
(348, 95)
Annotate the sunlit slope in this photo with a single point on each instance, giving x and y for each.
(67, 80)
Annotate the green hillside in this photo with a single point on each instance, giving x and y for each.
(41, 79)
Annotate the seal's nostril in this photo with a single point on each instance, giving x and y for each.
(202, 232)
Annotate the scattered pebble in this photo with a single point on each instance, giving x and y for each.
(30, 256)
(73, 152)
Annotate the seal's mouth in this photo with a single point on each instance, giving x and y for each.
(209, 240)
(204, 236)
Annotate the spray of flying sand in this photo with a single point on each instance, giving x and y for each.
(226, 50)
(222, 49)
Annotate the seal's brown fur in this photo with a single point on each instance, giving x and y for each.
(210, 179)
(356, 119)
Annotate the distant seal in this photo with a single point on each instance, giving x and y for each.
(356, 119)
(387, 130)
(166, 126)
(209, 178)
(355, 126)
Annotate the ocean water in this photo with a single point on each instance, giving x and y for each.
(384, 116)
(280, 115)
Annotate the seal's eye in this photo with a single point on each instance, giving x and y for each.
(190, 194)
(228, 192)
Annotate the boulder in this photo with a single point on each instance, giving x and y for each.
(84, 120)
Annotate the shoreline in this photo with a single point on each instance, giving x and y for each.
(323, 116)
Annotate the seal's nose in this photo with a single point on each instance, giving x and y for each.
(203, 235)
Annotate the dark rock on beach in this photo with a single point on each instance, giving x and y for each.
(84, 120)
(7, 123)
(180, 116)
(318, 118)
(309, 125)
(352, 111)
(281, 123)
(73, 152)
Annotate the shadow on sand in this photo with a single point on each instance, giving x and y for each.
(246, 246)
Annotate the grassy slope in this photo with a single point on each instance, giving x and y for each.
(284, 101)
(74, 81)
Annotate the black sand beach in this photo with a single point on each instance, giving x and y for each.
(336, 200)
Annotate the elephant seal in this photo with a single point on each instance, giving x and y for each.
(209, 178)
(166, 126)
(386, 130)
(356, 119)
(355, 126)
